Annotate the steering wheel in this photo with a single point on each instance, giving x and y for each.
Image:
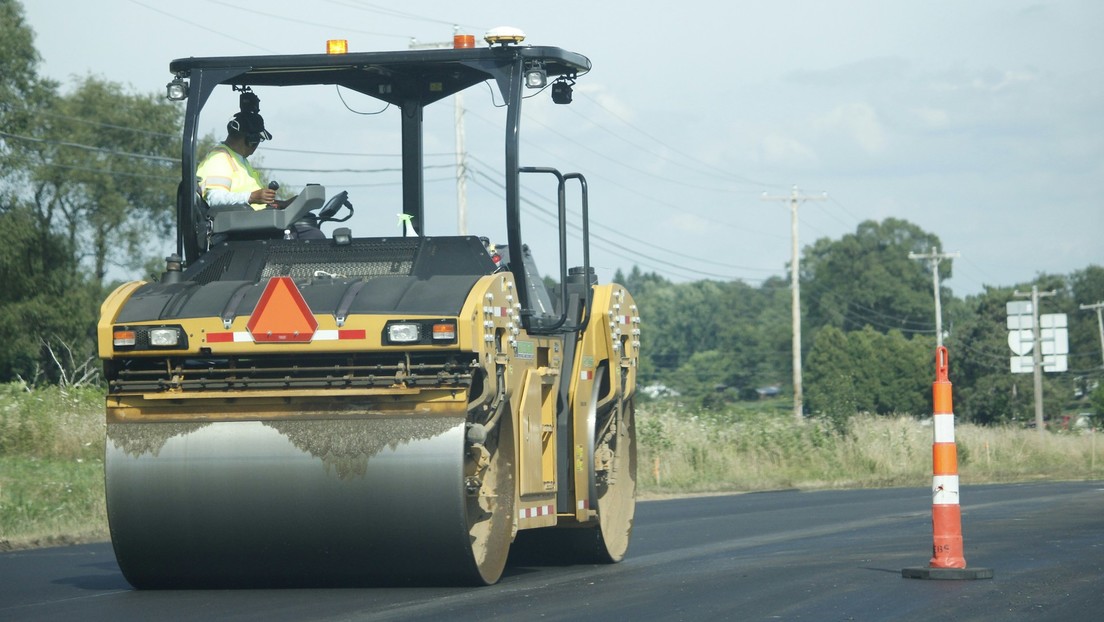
(335, 203)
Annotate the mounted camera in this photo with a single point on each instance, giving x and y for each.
(249, 102)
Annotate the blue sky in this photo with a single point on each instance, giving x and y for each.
(978, 121)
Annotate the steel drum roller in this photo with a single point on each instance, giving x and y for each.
(292, 502)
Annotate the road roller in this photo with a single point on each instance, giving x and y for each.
(337, 409)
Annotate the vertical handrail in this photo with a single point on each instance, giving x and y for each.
(586, 247)
(561, 200)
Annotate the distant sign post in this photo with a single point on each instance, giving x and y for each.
(1045, 338)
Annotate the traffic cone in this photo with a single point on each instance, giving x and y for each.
(948, 561)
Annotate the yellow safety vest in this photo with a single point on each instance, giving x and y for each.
(227, 170)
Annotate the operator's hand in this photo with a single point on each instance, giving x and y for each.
(263, 195)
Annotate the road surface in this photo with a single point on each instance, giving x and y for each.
(829, 555)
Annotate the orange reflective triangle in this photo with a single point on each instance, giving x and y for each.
(282, 315)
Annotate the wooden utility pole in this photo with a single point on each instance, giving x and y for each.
(934, 257)
(1036, 350)
(795, 199)
(461, 155)
(1099, 323)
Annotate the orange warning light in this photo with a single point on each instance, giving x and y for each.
(282, 315)
(337, 46)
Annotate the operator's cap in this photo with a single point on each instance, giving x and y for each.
(251, 124)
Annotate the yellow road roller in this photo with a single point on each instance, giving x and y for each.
(288, 409)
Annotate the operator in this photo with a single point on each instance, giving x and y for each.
(226, 178)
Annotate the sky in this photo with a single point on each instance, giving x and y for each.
(979, 122)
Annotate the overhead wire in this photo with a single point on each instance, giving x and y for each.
(62, 143)
(205, 28)
(553, 219)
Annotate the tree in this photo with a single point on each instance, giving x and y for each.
(830, 379)
(867, 278)
(106, 174)
(87, 181)
(42, 304)
(867, 371)
(22, 92)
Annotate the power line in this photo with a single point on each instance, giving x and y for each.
(650, 245)
(298, 21)
(205, 28)
(688, 156)
(62, 143)
(681, 209)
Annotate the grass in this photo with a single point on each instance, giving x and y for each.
(51, 466)
(743, 450)
(52, 444)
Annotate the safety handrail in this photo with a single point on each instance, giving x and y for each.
(561, 204)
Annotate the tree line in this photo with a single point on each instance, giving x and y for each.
(868, 334)
(87, 187)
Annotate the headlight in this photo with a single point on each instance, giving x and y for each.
(406, 332)
(164, 337)
(420, 332)
(139, 338)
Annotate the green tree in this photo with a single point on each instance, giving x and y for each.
(43, 306)
(830, 389)
(106, 174)
(22, 91)
(866, 278)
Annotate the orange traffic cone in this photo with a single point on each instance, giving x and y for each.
(948, 561)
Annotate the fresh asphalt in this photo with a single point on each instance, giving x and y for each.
(790, 555)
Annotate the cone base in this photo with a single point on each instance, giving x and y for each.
(957, 574)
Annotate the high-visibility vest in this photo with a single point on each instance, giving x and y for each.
(227, 170)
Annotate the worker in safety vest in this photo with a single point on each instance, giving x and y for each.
(226, 178)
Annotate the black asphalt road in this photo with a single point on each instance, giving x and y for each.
(834, 555)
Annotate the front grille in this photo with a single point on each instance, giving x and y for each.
(361, 259)
(142, 375)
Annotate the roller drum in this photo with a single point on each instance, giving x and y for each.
(291, 502)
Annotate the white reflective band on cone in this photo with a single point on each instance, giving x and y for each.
(945, 490)
(944, 428)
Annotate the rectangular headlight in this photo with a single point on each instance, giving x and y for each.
(406, 332)
(164, 337)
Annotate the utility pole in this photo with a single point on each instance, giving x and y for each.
(795, 199)
(934, 257)
(1037, 349)
(461, 169)
(461, 155)
(1099, 322)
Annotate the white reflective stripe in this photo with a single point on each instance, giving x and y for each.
(541, 510)
(945, 490)
(944, 428)
(217, 182)
(586, 374)
(319, 335)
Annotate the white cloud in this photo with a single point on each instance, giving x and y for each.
(860, 122)
(785, 151)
